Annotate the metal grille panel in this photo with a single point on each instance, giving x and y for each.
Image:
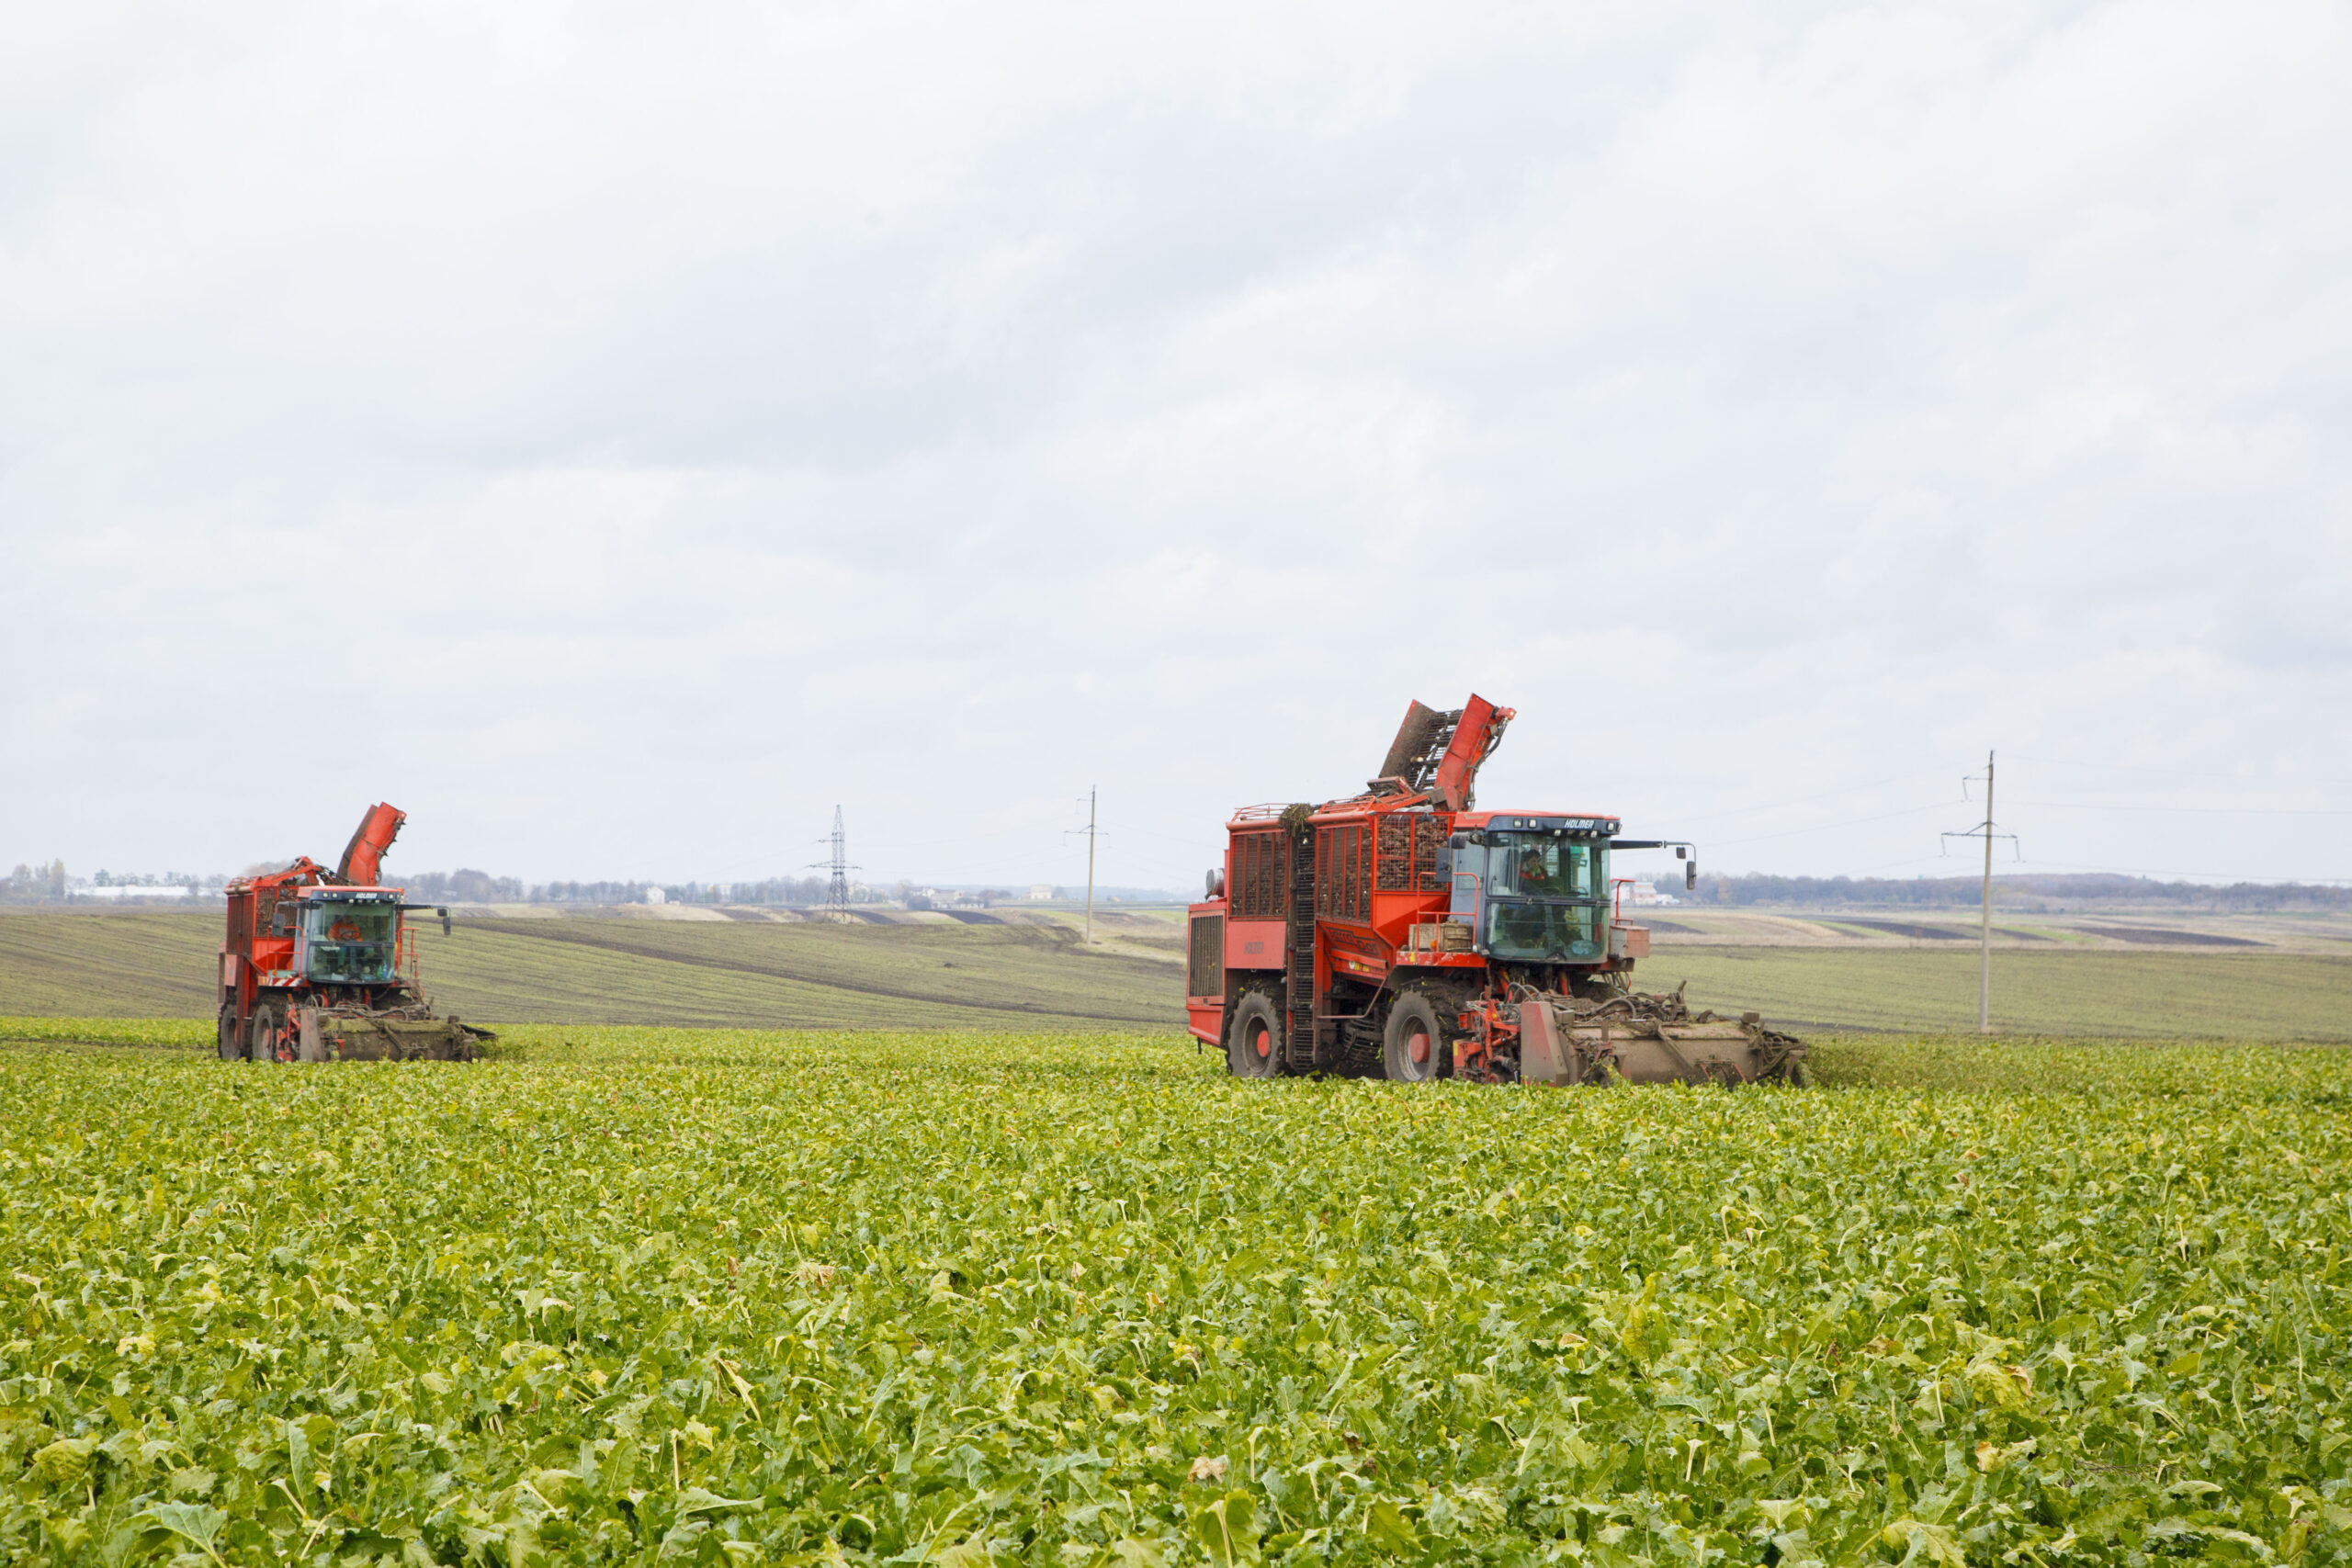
(1356, 909)
(1258, 892)
(1409, 846)
(1206, 971)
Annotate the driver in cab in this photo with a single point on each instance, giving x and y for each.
(344, 929)
(1544, 927)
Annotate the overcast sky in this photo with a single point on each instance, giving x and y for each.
(616, 436)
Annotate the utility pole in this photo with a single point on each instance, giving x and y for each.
(1090, 831)
(1985, 923)
(1985, 920)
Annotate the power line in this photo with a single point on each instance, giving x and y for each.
(2064, 804)
(1825, 827)
(2201, 810)
(2202, 876)
(2183, 773)
(1750, 811)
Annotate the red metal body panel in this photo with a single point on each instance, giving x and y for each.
(1468, 819)
(1254, 944)
(1395, 914)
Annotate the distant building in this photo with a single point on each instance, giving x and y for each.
(1644, 894)
(655, 896)
(1040, 892)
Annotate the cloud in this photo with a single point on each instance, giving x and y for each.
(616, 438)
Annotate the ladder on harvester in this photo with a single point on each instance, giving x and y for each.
(1298, 946)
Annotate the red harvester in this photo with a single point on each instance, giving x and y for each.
(320, 966)
(1401, 934)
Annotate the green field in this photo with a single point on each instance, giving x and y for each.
(740, 1297)
(633, 971)
(2220, 996)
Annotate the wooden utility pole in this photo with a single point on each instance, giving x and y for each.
(1985, 944)
(1089, 866)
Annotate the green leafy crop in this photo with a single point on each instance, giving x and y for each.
(1083, 1303)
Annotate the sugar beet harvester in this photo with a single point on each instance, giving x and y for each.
(1401, 932)
(320, 966)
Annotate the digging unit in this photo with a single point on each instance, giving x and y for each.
(320, 966)
(1402, 934)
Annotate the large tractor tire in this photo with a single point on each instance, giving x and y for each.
(232, 1048)
(262, 1034)
(1413, 1047)
(1253, 1047)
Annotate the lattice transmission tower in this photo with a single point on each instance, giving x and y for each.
(836, 889)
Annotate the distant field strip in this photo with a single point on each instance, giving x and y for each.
(773, 975)
(633, 972)
(1027, 970)
(2244, 996)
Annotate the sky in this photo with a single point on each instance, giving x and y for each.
(618, 435)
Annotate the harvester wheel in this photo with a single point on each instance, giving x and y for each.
(1413, 1047)
(260, 1033)
(232, 1048)
(1254, 1050)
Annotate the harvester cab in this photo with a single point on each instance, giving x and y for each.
(320, 966)
(1402, 932)
(347, 936)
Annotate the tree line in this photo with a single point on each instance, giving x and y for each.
(50, 883)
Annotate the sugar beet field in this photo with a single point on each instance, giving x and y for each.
(727, 1298)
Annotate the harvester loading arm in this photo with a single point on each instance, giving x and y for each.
(1438, 754)
(363, 858)
(1476, 737)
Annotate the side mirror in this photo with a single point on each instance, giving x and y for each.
(1216, 883)
(1690, 877)
(1458, 841)
(1682, 852)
